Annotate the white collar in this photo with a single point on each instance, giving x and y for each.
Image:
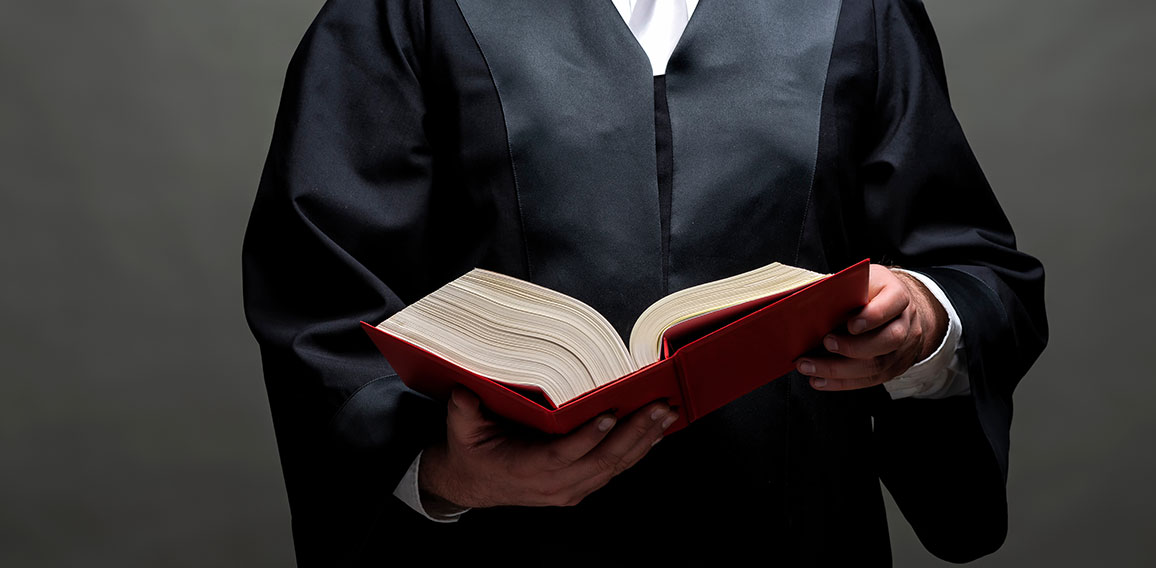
(657, 35)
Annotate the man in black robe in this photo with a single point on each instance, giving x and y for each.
(417, 140)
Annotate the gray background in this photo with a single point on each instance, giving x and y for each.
(134, 429)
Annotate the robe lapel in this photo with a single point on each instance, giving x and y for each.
(576, 92)
(744, 90)
(744, 87)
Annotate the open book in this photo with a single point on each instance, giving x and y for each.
(550, 361)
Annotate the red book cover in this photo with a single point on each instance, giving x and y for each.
(727, 360)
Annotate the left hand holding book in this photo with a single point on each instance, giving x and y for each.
(484, 463)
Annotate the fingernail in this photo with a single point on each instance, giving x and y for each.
(654, 443)
(657, 413)
(605, 423)
(806, 367)
(669, 420)
(819, 382)
(830, 343)
(857, 325)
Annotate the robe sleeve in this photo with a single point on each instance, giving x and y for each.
(339, 233)
(929, 208)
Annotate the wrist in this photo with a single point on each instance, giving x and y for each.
(930, 314)
(435, 484)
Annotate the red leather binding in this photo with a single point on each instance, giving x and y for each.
(698, 378)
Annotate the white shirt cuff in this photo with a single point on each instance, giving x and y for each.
(407, 490)
(944, 372)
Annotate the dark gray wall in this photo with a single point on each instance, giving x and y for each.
(134, 429)
(1058, 99)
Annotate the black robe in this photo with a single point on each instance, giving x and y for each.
(416, 140)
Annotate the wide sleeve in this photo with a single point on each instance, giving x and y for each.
(929, 208)
(340, 232)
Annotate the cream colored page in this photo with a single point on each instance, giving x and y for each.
(646, 336)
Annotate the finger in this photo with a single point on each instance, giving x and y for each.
(642, 447)
(820, 383)
(629, 460)
(888, 304)
(465, 423)
(876, 279)
(612, 453)
(881, 341)
(837, 367)
(563, 452)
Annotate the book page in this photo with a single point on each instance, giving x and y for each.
(708, 298)
(515, 332)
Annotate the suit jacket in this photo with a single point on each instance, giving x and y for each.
(419, 139)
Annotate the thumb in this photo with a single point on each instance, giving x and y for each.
(465, 423)
(878, 277)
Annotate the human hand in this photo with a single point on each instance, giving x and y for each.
(483, 464)
(901, 324)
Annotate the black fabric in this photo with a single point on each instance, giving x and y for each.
(745, 86)
(406, 152)
(664, 159)
(579, 126)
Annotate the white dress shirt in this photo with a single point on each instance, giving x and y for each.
(658, 25)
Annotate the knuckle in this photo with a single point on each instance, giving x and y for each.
(898, 331)
(847, 348)
(854, 349)
(620, 467)
(641, 427)
(916, 333)
(905, 301)
(637, 457)
(551, 490)
(608, 462)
